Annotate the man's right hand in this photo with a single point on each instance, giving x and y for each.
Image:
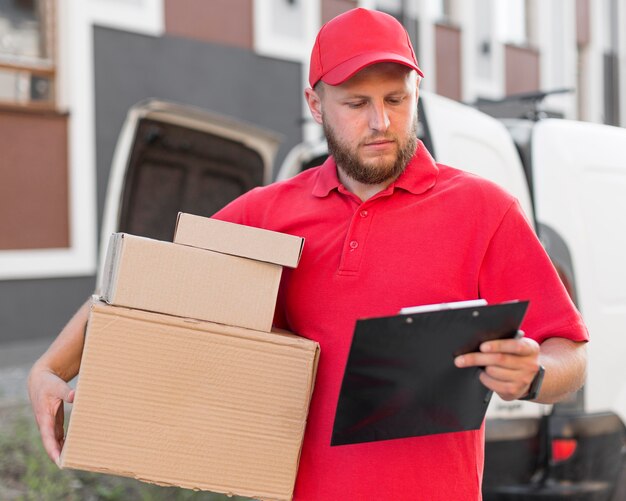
(47, 392)
(47, 381)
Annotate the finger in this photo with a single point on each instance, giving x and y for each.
(507, 390)
(48, 437)
(63, 390)
(502, 374)
(521, 347)
(504, 360)
(48, 408)
(59, 432)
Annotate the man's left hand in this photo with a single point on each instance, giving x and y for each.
(510, 365)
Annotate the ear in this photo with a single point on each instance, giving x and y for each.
(418, 81)
(315, 104)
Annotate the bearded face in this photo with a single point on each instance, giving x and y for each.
(370, 168)
(370, 122)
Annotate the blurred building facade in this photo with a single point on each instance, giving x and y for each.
(70, 70)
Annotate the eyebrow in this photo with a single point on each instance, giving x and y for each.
(365, 96)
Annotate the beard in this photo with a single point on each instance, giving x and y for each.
(376, 171)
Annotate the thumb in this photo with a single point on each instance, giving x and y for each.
(69, 398)
(62, 390)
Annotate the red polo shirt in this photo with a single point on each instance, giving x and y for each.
(437, 234)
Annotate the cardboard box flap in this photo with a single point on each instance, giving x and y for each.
(188, 403)
(238, 240)
(109, 280)
(278, 336)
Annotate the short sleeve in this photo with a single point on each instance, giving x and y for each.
(516, 266)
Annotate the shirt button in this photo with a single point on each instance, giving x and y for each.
(364, 213)
(354, 244)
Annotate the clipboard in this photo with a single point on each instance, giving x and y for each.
(400, 379)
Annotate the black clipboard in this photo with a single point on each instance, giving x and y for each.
(400, 379)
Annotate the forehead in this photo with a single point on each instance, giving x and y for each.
(374, 79)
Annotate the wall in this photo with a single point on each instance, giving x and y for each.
(224, 79)
(34, 187)
(129, 68)
(34, 215)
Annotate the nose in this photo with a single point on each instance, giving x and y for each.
(379, 118)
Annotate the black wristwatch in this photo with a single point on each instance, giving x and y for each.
(535, 385)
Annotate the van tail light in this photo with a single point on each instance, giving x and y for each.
(563, 449)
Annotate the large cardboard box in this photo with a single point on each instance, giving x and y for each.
(190, 282)
(238, 240)
(190, 403)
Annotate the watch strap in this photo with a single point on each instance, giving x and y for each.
(535, 385)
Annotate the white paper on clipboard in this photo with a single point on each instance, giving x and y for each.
(443, 306)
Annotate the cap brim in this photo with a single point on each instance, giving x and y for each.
(349, 68)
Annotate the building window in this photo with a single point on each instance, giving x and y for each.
(484, 40)
(286, 29)
(512, 22)
(611, 64)
(27, 56)
(442, 11)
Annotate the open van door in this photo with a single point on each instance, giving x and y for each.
(172, 158)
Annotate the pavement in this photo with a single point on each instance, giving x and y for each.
(16, 359)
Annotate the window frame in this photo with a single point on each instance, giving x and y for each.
(269, 43)
(75, 94)
(27, 67)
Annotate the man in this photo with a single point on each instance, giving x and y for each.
(385, 227)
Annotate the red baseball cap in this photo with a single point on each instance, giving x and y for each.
(356, 39)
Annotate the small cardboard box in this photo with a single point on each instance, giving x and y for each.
(188, 403)
(189, 282)
(238, 240)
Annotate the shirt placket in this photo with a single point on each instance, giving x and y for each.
(356, 239)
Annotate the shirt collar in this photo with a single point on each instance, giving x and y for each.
(419, 176)
(327, 179)
(421, 173)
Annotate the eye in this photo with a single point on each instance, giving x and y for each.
(355, 104)
(394, 100)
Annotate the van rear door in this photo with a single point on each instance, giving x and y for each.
(170, 158)
(579, 172)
